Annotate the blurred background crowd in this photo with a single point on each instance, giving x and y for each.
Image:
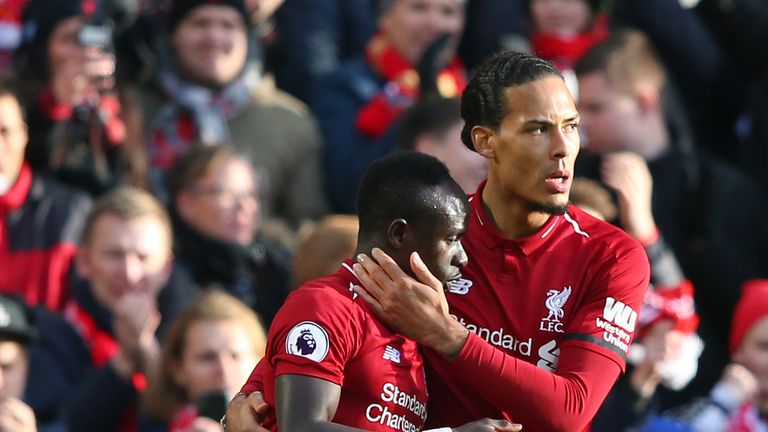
(171, 169)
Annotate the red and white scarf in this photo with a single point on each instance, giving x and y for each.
(564, 52)
(197, 114)
(402, 87)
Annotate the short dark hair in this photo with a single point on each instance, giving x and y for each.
(402, 185)
(483, 102)
(432, 115)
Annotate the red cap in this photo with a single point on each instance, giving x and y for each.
(752, 306)
(669, 303)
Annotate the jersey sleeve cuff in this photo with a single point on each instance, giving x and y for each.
(304, 371)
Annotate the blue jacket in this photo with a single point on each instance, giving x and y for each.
(336, 102)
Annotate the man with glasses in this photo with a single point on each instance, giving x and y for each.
(217, 212)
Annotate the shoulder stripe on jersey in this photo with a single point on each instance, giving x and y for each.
(597, 341)
(346, 266)
(575, 224)
(551, 227)
(479, 219)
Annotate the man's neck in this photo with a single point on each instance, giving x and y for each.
(511, 214)
(365, 247)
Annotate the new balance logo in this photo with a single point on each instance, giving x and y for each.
(620, 314)
(391, 354)
(459, 286)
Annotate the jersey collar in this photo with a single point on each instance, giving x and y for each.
(493, 238)
(346, 272)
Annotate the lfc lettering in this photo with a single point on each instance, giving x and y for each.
(549, 326)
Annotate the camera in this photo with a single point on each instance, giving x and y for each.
(95, 35)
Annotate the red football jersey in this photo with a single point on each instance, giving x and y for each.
(575, 286)
(325, 330)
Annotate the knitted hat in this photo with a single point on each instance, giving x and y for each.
(39, 19)
(15, 320)
(752, 306)
(180, 8)
(673, 304)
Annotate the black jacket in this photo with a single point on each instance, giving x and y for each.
(259, 275)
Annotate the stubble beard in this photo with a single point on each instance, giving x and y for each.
(547, 208)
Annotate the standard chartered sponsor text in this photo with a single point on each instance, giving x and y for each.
(499, 337)
(392, 395)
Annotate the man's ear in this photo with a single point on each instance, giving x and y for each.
(396, 233)
(484, 138)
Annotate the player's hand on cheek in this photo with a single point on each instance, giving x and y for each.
(414, 308)
(488, 425)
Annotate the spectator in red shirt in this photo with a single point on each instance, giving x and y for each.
(40, 220)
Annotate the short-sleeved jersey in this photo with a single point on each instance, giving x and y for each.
(577, 280)
(325, 330)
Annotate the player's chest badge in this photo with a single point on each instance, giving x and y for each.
(555, 302)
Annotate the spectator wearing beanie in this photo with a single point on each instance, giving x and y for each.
(211, 90)
(739, 401)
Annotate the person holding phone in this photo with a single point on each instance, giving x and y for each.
(208, 351)
(79, 117)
